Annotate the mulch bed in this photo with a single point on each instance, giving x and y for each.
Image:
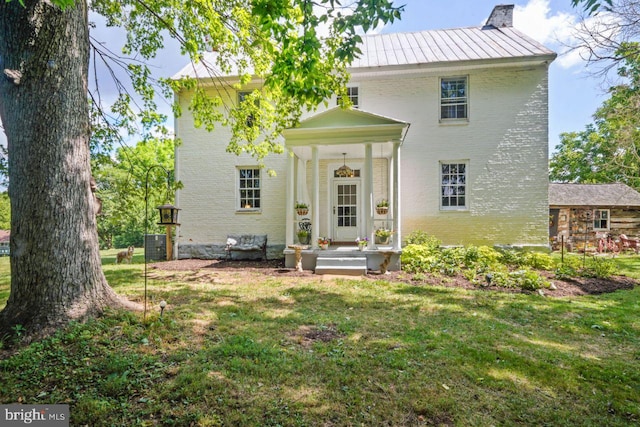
(276, 268)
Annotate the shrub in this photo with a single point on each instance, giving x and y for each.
(481, 257)
(599, 268)
(539, 261)
(418, 258)
(523, 279)
(565, 271)
(421, 238)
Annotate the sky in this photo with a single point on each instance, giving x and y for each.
(574, 94)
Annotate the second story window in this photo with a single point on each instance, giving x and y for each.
(352, 93)
(453, 98)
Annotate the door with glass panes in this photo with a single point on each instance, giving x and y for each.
(346, 209)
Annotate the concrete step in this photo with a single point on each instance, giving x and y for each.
(342, 265)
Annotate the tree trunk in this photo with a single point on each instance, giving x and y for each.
(56, 273)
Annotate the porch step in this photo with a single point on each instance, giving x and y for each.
(344, 265)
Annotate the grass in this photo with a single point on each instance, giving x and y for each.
(267, 351)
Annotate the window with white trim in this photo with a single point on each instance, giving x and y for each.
(249, 188)
(453, 185)
(453, 98)
(601, 219)
(352, 94)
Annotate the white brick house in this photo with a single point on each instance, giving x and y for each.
(451, 127)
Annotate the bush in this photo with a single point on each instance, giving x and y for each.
(512, 257)
(539, 261)
(600, 268)
(421, 238)
(478, 264)
(418, 258)
(523, 279)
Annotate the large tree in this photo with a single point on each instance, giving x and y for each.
(55, 264)
(609, 149)
(44, 54)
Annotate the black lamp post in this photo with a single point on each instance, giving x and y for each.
(168, 217)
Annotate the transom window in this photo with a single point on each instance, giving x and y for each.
(352, 94)
(453, 98)
(453, 186)
(601, 219)
(249, 188)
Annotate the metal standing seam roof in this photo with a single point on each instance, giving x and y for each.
(457, 44)
(611, 195)
(426, 47)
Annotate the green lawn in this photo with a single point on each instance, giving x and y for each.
(271, 351)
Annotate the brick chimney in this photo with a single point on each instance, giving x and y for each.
(501, 16)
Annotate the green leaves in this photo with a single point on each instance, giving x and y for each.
(296, 51)
(591, 6)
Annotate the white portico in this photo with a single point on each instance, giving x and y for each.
(342, 205)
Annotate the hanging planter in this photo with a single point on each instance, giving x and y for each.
(382, 207)
(302, 209)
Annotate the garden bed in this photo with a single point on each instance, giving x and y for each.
(217, 270)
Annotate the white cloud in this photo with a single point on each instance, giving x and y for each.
(561, 31)
(535, 20)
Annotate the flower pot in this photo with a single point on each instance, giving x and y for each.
(382, 240)
(302, 211)
(382, 210)
(304, 239)
(324, 246)
(361, 247)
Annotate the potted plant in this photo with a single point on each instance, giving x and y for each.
(362, 243)
(382, 236)
(304, 231)
(301, 208)
(323, 242)
(382, 207)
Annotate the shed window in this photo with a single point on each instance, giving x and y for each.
(601, 219)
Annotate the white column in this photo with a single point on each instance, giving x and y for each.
(315, 197)
(290, 185)
(397, 224)
(368, 193)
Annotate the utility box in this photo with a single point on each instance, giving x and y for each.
(155, 247)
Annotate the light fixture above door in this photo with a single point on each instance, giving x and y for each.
(344, 171)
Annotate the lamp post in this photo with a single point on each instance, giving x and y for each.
(168, 217)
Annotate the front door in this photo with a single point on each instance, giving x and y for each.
(346, 210)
